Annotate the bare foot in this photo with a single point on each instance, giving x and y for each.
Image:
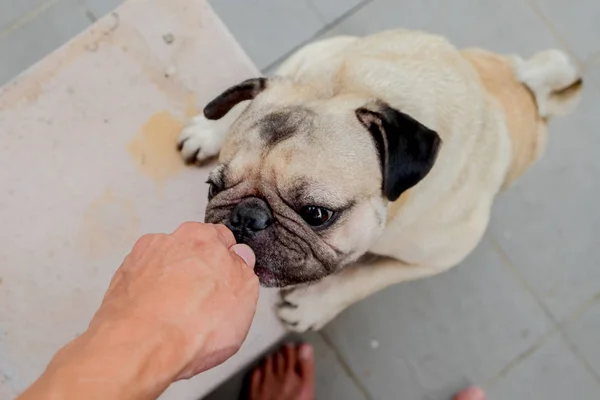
(288, 374)
(472, 393)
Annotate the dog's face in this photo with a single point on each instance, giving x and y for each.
(305, 181)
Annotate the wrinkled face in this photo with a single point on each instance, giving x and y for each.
(301, 185)
(304, 178)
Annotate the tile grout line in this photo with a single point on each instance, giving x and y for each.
(574, 316)
(324, 29)
(316, 11)
(558, 325)
(582, 64)
(522, 281)
(575, 350)
(26, 18)
(344, 365)
(537, 10)
(515, 362)
(581, 309)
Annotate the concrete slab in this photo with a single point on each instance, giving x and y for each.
(88, 164)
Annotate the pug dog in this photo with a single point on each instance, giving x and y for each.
(392, 145)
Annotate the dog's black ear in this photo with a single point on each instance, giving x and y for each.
(407, 149)
(246, 90)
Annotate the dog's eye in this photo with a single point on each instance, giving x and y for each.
(316, 216)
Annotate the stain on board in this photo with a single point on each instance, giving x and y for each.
(154, 151)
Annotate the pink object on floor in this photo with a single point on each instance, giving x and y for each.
(473, 393)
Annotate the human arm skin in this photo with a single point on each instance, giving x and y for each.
(179, 304)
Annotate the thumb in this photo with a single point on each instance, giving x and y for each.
(245, 253)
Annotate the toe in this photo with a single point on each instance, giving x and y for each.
(279, 364)
(307, 371)
(307, 360)
(190, 148)
(290, 358)
(473, 393)
(255, 384)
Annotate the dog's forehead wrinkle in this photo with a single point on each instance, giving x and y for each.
(284, 123)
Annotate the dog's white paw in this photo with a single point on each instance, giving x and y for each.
(307, 308)
(200, 140)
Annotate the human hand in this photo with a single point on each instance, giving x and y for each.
(178, 305)
(196, 285)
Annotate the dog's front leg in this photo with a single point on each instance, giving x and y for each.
(202, 138)
(311, 306)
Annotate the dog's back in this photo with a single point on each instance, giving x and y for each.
(490, 110)
(530, 93)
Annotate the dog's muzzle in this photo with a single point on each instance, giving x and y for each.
(249, 217)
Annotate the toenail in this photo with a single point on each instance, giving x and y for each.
(306, 352)
(473, 393)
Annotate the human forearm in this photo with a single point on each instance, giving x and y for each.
(179, 304)
(128, 361)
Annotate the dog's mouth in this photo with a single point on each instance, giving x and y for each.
(267, 277)
(282, 259)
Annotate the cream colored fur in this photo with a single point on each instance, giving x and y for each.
(490, 112)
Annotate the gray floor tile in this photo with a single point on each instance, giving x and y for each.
(585, 333)
(12, 10)
(509, 26)
(332, 382)
(30, 43)
(592, 69)
(576, 22)
(330, 10)
(551, 373)
(440, 334)
(549, 222)
(389, 14)
(102, 7)
(268, 29)
(230, 390)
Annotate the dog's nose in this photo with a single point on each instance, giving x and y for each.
(250, 216)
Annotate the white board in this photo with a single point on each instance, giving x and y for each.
(88, 164)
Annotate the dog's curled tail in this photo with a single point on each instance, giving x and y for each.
(553, 79)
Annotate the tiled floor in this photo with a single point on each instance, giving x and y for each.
(522, 315)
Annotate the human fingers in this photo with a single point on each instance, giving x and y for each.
(245, 253)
